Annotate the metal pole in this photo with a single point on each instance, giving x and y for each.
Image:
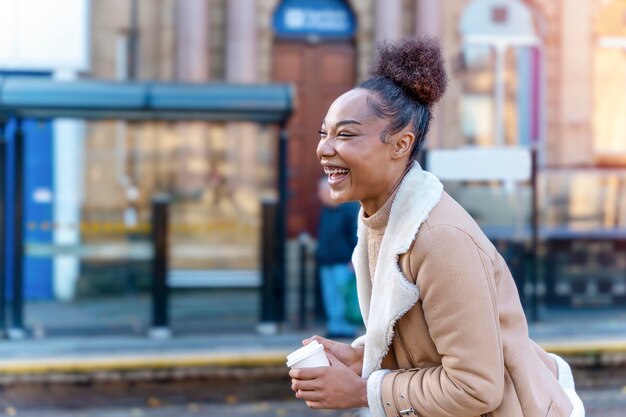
(17, 311)
(303, 243)
(268, 320)
(281, 222)
(318, 308)
(3, 172)
(519, 253)
(273, 235)
(534, 236)
(160, 290)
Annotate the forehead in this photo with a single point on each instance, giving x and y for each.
(349, 106)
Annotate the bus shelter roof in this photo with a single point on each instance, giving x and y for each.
(23, 97)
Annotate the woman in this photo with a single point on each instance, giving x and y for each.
(446, 333)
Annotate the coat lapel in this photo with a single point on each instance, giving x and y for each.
(387, 297)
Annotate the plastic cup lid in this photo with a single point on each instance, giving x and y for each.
(304, 352)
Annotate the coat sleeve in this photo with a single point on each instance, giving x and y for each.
(457, 291)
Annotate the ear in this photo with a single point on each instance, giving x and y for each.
(403, 145)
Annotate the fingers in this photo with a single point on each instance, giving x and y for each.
(308, 373)
(309, 392)
(309, 396)
(319, 339)
(333, 359)
(300, 385)
(327, 343)
(336, 362)
(312, 405)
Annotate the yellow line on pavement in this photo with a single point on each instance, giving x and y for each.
(586, 348)
(130, 363)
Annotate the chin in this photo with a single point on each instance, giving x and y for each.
(340, 197)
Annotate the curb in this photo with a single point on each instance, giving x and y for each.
(582, 353)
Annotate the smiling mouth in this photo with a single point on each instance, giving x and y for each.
(335, 173)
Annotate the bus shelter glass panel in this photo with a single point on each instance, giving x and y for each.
(216, 175)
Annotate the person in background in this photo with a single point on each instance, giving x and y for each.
(336, 241)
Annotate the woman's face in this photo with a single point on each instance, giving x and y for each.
(359, 165)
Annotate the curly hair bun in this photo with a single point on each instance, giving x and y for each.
(414, 63)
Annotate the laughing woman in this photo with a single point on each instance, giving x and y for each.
(446, 333)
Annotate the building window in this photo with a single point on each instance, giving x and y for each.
(609, 91)
(499, 74)
(499, 109)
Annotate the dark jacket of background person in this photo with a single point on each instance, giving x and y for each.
(337, 234)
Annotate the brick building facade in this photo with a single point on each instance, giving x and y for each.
(222, 172)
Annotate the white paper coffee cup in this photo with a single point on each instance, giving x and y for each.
(308, 356)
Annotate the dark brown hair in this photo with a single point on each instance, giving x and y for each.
(407, 77)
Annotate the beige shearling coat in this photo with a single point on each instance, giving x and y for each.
(446, 333)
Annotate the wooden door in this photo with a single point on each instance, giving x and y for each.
(320, 73)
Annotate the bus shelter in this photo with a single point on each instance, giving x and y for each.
(91, 100)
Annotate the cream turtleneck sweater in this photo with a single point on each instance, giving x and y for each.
(376, 225)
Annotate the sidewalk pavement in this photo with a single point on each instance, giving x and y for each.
(590, 337)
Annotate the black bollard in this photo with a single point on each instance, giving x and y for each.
(160, 290)
(269, 267)
(303, 249)
(273, 242)
(281, 224)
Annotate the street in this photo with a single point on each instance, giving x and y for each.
(606, 402)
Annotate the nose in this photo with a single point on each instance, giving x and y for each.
(325, 148)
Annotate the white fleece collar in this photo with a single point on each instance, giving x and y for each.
(390, 295)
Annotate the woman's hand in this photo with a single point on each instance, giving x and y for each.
(352, 357)
(335, 386)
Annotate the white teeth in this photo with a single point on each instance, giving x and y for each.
(330, 171)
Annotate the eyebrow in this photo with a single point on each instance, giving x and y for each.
(343, 123)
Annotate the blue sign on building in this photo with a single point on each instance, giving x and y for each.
(317, 19)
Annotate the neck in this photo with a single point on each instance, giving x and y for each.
(371, 207)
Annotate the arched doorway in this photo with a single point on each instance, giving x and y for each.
(314, 50)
